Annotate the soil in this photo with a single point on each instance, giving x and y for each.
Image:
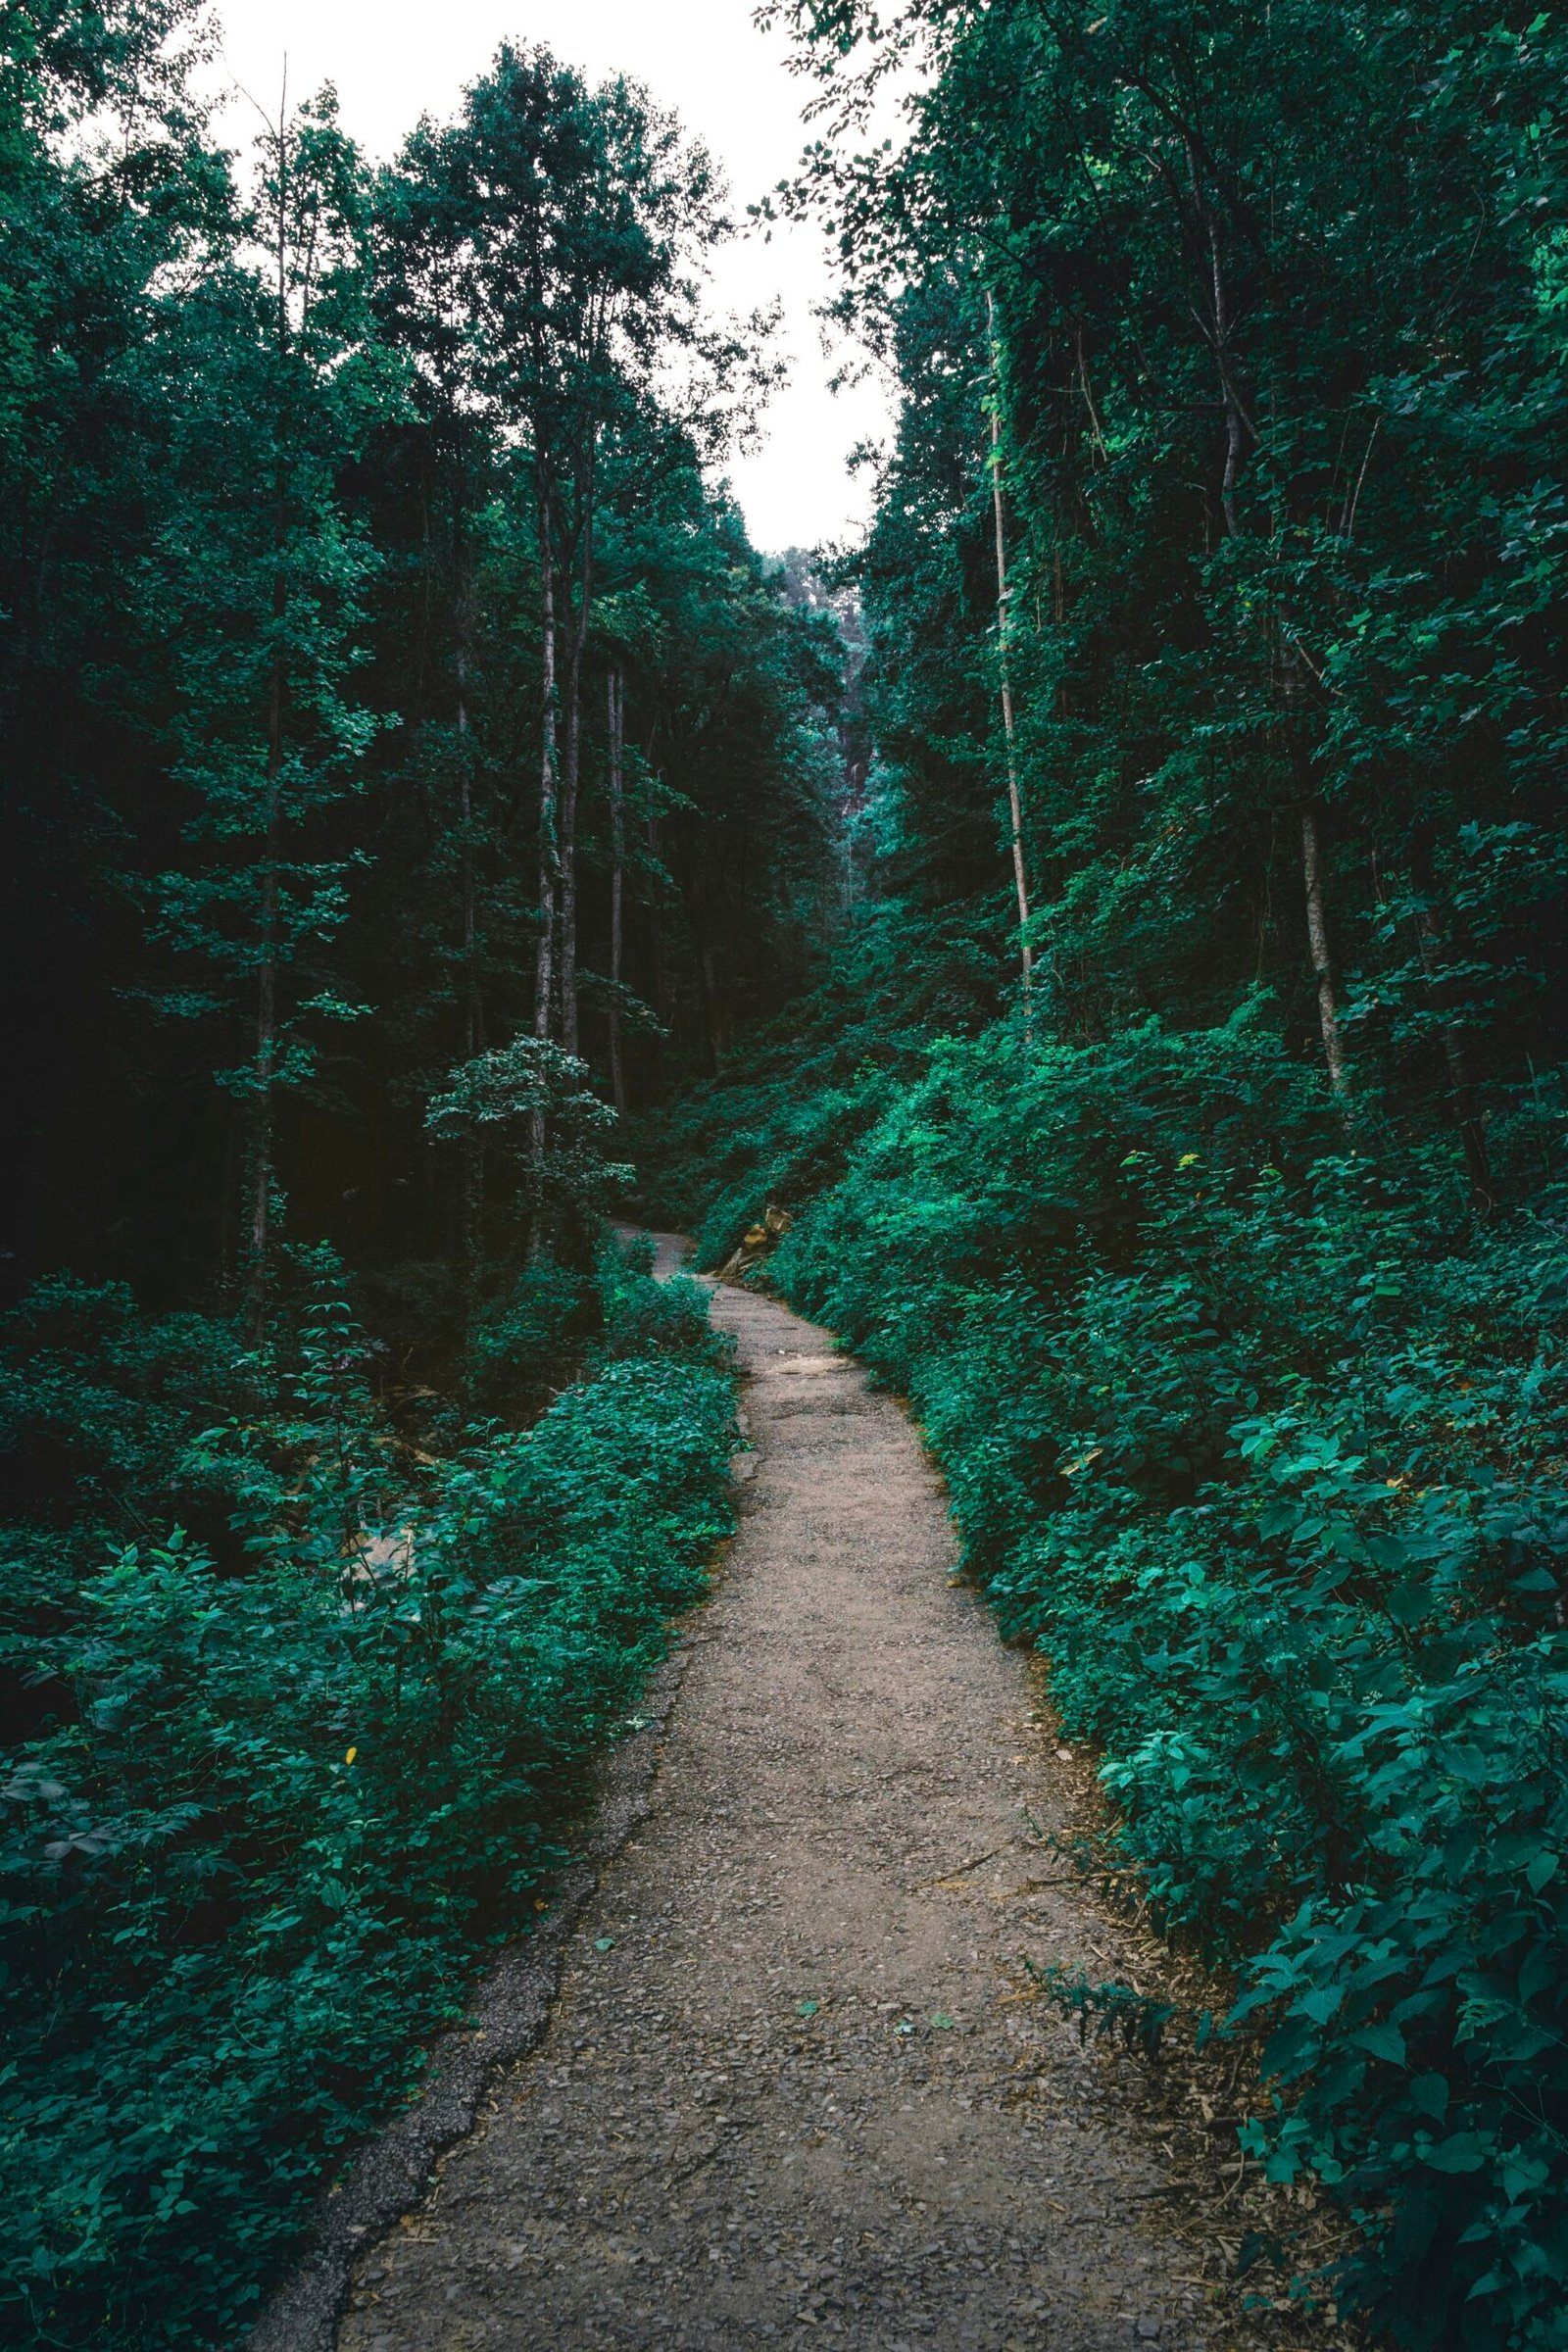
(799, 2083)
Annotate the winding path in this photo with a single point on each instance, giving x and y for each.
(795, 2085)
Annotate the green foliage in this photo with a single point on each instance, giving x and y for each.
(1261, 1441)
(292, 1786)
(301, 456)
(96, 1400)
(662, 1318)
(1249, 1388)
(336, 500)
(781, 1121)
(519, 1338)
(535, 1100)
(1107, 2011)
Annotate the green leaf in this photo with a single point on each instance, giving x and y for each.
(1321, 2003)
(1461, 2152)
(1383, 2042)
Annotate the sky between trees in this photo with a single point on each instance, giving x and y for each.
(392, 61)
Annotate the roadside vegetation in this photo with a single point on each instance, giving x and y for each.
(1180, 1123)
(1113, 920)
(1260, 1442)
(309, 1746)
(386, 677)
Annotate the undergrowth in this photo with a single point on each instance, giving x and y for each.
(1263, 1441)
(302, 1751)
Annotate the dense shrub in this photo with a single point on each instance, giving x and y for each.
(806, 1088)
(519, 1338)
(1264, 1443)
(292, 1786)
(96, 1400)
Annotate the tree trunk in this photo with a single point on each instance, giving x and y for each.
(473, 989)
(230, 1198)
(1095, 426)
(1462, 1106)
(572, 765)
(549, 846)
(1004, 633)
(1236, 419)
(694, 897)
(260, 1138)
(261, 1142)
(1317, 933)
(1266, 902)
(658, 971)
(549, 775)
(618, 853)
(713, 1018)
(473, 986)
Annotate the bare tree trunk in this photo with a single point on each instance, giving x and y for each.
(1237, 422)
(1461, 1088)
(549, 843)
(696, 899)
(572, 767)
(260, 1136)
(658, 970)
(549, 773)
(473, 986)
(618, 854)
(229, 1203)
(261, 1140)
(1095, 425)
(1266, 902)
(473, 989)
(1317, 933)
(1004, 633)
(714, 1019)
(1233, 421)
(567, 857)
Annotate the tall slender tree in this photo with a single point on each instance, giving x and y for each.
(257, 583)
(1021, 878)
(564, 217)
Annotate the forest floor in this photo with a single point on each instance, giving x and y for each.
(799, 2081)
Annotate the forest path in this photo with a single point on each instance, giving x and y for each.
(847, 1812)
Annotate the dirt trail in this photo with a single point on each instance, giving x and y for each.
(844, 1814)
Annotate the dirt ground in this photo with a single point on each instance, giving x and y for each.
(796, 2083)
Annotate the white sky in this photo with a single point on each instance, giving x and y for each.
(393, 60)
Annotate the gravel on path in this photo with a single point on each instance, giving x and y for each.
(793, 2085)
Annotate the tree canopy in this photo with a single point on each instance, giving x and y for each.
(1098, 945)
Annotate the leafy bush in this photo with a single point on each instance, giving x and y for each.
(533, 1101)
(1262, 1443)
(646, 1317)
(781, 1122)
(96, 1401)
(291, 1792)
(519, 1338)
